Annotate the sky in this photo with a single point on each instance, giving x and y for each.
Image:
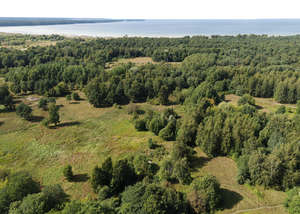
(152, 9)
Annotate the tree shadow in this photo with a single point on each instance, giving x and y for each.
(73, 123)
(80, 177)
(258, 107)
(36, 118)
(1, 123)
(198, 162)
(229, 198)
(74, 102)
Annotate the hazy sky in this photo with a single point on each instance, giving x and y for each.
(152, 9)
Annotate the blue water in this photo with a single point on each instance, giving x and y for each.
(167, 28)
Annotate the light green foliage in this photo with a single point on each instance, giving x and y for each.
(246, 99)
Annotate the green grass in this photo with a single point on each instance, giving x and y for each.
(88, 135)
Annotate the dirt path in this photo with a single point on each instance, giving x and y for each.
(258, 208)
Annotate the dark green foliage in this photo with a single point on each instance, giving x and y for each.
(76, 207)
(169, 132)
(208, 188)
(19, 185)
(187, 133)
(24, 111)
(151, 144)
(182, 171)
(281, 110)
(102, 176)
(152, 198)
(68, 97)
(68, 173)
(51, 198)
(104, 193)
(166, 170)
(143, 166)
(157, 124)
(6, 98)
(75, 96)
(53, 114)
(43, 103)
(122, 176)
(140, 125)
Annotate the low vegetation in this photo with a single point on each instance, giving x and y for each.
(217, 132)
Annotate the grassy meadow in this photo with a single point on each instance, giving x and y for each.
(87, 135)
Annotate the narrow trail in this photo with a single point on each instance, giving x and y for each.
(258, 208)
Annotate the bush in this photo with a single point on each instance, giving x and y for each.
(19, 185)
(281, 110)
(68, 173)
(140, 125)
(208, 188)
(75, 96)
(45, 122)
(151, 144)
(104, 193)
(43, 103)
(68, 97)
(246, 99)
(24, 111)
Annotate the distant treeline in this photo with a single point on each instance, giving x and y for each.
(51, 21)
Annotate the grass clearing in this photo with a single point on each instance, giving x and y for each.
(264, 104)
(87, 135)
(137, 60)
(237, 197)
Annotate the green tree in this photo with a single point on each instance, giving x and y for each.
(53, 114)
(182, 171)
(75, 96)
(43, 103)
(122, 176)
(209, 188)
(24, 111)
(19, 185)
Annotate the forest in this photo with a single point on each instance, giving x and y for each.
(187, 87)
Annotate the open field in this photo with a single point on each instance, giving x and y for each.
(137, 61)
(263, 104)
(85, 137)
(237, 197)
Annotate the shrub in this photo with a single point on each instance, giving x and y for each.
(68, 173)
(68, 97)
(151, 144)
(281, 110)
(104, 193)
(140, 125)
(24, 111)
(75, 96)
(43, 103)
(246, 99)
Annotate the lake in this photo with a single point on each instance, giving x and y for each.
(167, 28)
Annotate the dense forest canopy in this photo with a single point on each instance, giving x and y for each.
(265, 146)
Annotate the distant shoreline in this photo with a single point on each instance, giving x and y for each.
(18, 22)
